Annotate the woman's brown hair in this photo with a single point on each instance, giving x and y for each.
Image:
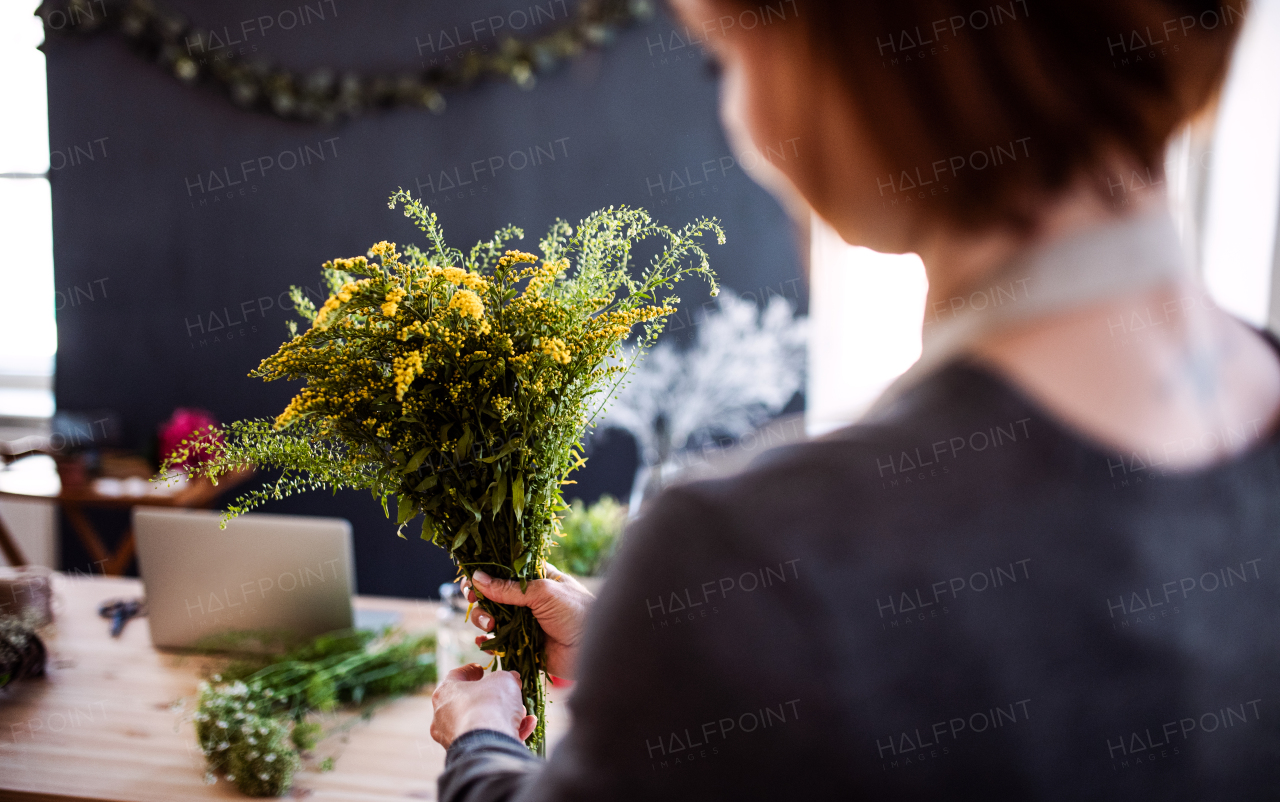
(1006, 102)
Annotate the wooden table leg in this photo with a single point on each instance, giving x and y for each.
(10, 547)
(88, 535)
(117, 565)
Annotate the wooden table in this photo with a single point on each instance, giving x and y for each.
(21, 485)
(103, 724)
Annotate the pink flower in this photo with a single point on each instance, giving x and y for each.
(184, 425)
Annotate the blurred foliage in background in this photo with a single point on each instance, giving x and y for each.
(590, 535)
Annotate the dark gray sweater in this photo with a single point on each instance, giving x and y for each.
(964, 600)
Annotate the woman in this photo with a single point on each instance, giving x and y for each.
(1044, 565)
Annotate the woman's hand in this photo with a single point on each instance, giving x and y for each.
(560, 604)
(470, 699)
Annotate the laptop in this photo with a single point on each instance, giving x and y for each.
(264, 581)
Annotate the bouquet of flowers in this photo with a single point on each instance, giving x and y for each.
(461, 385)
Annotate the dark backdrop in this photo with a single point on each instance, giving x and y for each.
(176, 278)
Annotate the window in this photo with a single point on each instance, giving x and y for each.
(1239, 239)
(865, 310)
(28, 336)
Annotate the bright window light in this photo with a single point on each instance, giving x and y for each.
(24, 145)
(865, 314)
(1244, 179)
(28, 336)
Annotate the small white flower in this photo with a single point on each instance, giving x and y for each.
(210, 778)
(264, 776)
(253, 755)
(251, 739)
(222, 725)
(223, 745)
(270, 758)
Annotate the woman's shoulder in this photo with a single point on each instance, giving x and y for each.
(955, 439)
(946, 426)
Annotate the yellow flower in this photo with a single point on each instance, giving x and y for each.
(393, 301)
(515, 257)
(290, 412)
(329, 307)
(406, 369)
(468, 303)
(543, 277)
(555, 348)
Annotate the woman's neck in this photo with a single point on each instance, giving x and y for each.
(957, 262)
(1153, 368)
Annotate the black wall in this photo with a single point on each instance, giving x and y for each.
(176, 286)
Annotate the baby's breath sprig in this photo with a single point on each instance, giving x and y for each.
(252, 719)
(461, 386)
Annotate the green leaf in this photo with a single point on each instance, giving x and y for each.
(517, 495)
(428, 483)
(511, 445)
(471, 508)
(428, 527)
(524, 559)
(417, 459)
(464, 442)
(497, 643)
(461, 537)
(406, 510)
(499, 493)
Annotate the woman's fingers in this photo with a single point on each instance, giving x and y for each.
(482, 619)
(508, 591)
(527, 725)
(468, 673)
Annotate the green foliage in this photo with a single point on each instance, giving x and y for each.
(460, 386)
(252, 721)
(589, 536)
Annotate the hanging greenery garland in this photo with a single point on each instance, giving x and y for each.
(326, 95)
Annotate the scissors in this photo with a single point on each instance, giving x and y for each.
(120, 611)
